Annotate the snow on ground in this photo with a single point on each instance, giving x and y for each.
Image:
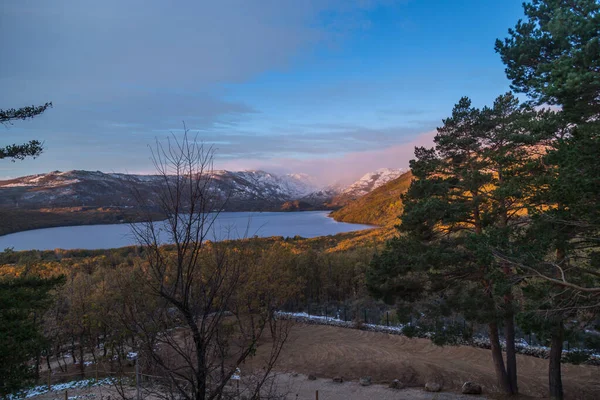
(478, 341)
(59, 387)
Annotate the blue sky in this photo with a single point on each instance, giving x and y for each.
(333, 88)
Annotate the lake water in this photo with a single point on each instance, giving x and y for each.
(229, 225)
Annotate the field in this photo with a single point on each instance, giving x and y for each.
(330, 351)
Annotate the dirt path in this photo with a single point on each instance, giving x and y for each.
(330, 351)
(292, 387)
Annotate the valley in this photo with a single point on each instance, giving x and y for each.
(75, 198)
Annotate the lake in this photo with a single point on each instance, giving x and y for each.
(229, 225)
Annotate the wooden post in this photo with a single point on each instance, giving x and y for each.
(49, 380)
(317, 395)
(66, 395)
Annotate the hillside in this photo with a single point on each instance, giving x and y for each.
(244, 190)
(93, 197)
(379, 207)
(366, 184)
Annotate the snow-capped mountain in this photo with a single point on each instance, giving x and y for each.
(337, 195)
(244, 190)
(372, 181)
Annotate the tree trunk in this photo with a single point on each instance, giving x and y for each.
(38, 353)
(511, 353)
(501, 375)
(556, 344)
(554, 373)
(48, 360)
(81, 353)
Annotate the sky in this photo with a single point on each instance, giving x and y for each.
(332, 88)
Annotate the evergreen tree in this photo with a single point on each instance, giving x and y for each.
(467, 197)
(554, 57)
(20, 151)
(22, 301)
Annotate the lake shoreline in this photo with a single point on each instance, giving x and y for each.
(231, 226)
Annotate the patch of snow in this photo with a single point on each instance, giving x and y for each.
(42, 389)
(373, 180)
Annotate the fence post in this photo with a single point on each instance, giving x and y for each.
(325, 313)
(366, 321)
(345, 316)
(387, 318)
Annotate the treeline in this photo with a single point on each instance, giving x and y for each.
(501, 224)
(19, 219)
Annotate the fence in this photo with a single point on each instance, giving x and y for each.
(381, 314)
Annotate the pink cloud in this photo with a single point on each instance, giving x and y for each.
(343, 169)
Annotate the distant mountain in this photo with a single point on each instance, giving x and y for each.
(379, 207)
(365, 185)
(245, 190)
(324, 196)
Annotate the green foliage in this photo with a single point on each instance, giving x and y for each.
(576, 357)
(553, 55)
(410, 331)
(20, 151)
(466, 198)
(23, 300)
(23, 113)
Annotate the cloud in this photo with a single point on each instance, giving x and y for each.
(97, 47)
(122, 73)
(343, 169)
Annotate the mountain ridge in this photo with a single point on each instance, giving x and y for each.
(381, 206)
(81, 197)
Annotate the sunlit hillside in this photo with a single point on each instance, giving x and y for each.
(380, 207)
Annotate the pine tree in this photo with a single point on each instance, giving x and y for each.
(21, 300)
(467, 197)
(554, 57)
(33, 148)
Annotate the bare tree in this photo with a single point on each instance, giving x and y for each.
(207, 316)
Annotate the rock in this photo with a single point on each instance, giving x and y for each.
(365, 381)
(338, 379)
(312, 377)
(471, 388)
(396, 384)
(433, 387)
